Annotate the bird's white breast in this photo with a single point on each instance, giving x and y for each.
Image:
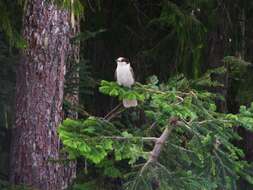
(124, 75)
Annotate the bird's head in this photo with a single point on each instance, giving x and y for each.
(122, 61)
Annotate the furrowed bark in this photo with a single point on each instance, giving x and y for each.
(72, 75)
(39, 97)
(71, 94)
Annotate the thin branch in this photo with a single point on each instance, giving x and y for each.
(91, 7)
(115, 114)
(78, 109)
(164, 93)
(153, 125)
(112, 111)
(155, 139)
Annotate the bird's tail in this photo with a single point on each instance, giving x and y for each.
(129, 103)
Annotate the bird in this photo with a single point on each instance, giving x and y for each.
(125, 77)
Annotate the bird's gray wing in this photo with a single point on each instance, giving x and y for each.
(132, 72)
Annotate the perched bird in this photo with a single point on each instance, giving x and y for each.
(125, 77)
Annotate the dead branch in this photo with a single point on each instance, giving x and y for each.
(112, 112)
(154, 154)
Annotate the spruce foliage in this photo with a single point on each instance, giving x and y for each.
(198, 154)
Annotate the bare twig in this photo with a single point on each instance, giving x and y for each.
(115, 114)
(112, 111)
(91, 7)
(153, 125)
(126, 138)
(78, 109)
(164, 93)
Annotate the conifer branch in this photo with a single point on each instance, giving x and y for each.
(154, 154)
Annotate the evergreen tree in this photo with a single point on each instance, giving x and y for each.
(35, 146)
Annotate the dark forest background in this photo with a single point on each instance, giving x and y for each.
(161, 38)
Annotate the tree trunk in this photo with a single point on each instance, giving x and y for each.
(218, 45)
(71, 95)
(39, 96)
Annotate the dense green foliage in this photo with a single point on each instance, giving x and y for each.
(199, 154)
(162, 38)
